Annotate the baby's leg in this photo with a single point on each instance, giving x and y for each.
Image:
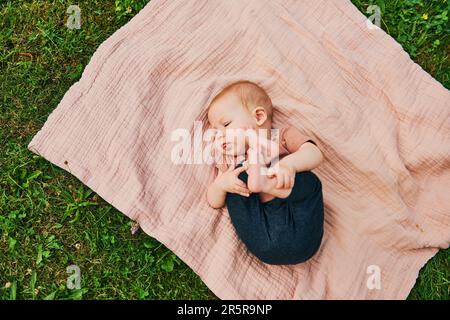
(277, 192)
(261, 153)
(255, 163)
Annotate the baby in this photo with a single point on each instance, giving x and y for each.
(278, 215)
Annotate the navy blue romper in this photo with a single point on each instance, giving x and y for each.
(280, 231)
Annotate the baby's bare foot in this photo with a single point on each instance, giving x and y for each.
(254, 168)
(260, 153)
(258, 180)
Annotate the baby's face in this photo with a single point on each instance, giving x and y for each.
(227, 115)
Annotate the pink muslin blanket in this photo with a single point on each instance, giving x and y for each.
(381, 122)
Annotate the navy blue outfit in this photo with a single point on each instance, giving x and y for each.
(280, 231)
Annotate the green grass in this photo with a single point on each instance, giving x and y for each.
(49, 220)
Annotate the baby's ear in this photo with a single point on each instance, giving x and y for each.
(260, 115)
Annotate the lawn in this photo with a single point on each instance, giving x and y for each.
(49, 220)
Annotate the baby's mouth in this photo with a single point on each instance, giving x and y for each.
(224, 146)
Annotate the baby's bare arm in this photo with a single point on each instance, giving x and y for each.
(215, 195)
(306, 158)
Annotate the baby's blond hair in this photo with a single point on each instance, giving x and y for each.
(251, 94)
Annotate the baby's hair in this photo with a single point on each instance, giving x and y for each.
(251, 94)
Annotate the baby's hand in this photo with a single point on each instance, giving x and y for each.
(228, 181)
(284, 173)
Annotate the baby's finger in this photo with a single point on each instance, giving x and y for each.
(239, 170)
(287, 180)
(280, 180)
(270, 172)
(283, 185)
(292, 181)
(230, 167)
(240, 183)
(242, 191)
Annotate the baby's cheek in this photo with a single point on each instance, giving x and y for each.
(218, 148)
